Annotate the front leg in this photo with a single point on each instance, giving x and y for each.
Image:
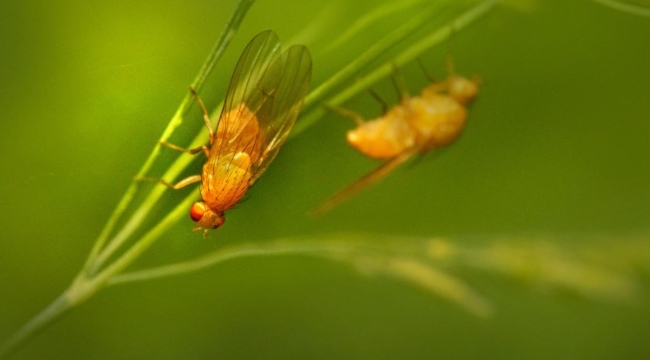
(204, 111)
(400, 85)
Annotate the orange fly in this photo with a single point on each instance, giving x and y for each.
(264, 98)
(416, 125)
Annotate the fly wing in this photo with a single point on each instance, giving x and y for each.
(246, 95)
(285, 85)
(264, 98)
(367, 180)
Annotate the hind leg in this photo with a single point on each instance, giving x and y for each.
(400, 84)
(179, 185)
(358, 119)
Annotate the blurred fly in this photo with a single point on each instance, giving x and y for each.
(264, 98)
(416, 125)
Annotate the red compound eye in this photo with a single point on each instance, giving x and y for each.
(196, 211)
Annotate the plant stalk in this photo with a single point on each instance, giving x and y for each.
(222, 43)
(52, 312)
(410, 54)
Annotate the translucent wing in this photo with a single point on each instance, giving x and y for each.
(367, 180)
(244, 96)
(263, 101)
(287, 84)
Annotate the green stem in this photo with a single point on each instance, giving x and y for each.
(100, 279)
(324, 249)
(228, 32)
(332, 247)
(371, 54)
(92, 277)
(143, 210)
(230, 29)
(83, 288)
(85, 285)
(407, 55)
(317, 95)
(364, 21)
(410, 54)
(54, 311)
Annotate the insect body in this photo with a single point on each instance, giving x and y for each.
(262, 103)
(418, 124)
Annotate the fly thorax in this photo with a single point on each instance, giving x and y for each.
(439, 120)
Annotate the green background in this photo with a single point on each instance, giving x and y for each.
(557, 143)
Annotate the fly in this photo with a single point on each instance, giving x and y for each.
(416, 125)
(264, 97)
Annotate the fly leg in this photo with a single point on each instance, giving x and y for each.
(426, 72)
(436, 86)
(206, 116)
(358, 119)
(194, 151)
(450, 66)
(184, 182)
(187, 181)
(384, 104)
(400, 85)
(181, 184)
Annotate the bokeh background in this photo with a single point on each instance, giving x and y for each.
(558, 143)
